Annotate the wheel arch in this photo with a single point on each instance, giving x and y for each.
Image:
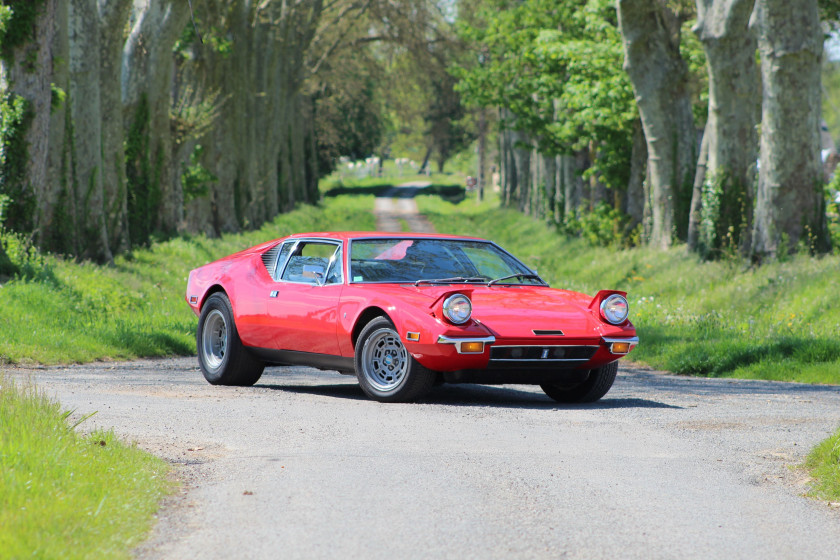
(364, 318)
(214, 289)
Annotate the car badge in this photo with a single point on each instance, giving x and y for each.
(544, 353)
(273, 293)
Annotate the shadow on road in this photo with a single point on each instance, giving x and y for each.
(473, 395)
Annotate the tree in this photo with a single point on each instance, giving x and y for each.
(723, 201)
(651, 34)
(790, 208)
(25, 45)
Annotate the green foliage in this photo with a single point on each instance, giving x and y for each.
(779, 321)
(604, 226)
(195, 177)
(17, 25)
(724, 216)
(15, 118)
(57, 97)
(348, 111)
(824, 465)
(67, 495)
(558, 68)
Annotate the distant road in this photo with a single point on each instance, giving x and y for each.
(396, 207)
(303, 466)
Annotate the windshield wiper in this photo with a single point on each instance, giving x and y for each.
(456, 279)
(524, 276)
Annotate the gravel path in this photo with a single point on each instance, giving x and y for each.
(303, 466)
(396, 207)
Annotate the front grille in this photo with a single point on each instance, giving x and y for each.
(542, 353)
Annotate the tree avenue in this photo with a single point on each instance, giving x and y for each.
(624, 121)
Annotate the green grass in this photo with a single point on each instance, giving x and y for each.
(824, 465)
(65, 495)
(60, 311)
(780, 321)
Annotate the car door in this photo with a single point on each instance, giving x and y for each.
(303, 305)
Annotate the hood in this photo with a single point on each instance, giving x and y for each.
(517, 311)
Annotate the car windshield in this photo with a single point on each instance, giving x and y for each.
(436, 261)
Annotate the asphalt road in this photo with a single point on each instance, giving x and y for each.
(303, 466)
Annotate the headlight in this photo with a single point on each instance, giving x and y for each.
(457, 308)
(615, 309)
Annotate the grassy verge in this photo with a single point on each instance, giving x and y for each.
(66, 495)
(779, 321)
(824, 464)
(60, 311)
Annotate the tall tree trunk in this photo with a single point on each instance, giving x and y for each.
(28, 76)
(651, 34)
(86, 115)
(56, 206)
(481, 176)
(635, 205)
(789, 204)
(734, 110)
(695, 214)
(147, 73)
(113, 16)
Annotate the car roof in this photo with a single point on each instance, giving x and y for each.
(344, 235)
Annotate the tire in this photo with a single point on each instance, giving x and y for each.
(222, 357)
(596, 386)
(385, 369)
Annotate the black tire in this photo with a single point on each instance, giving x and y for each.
(596, 386)
(222, 357)
(385, 369)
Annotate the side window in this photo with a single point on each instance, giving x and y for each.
(335, 276)
(309, 262)
(281, 258)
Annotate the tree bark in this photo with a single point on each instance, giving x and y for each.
(29, 77)
(113, 16)
(147, 73)
(651, 36)
(86, 147)
(790, 207)
(695, 216)
(734, 111)
(635, 207)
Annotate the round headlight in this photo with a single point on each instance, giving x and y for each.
(615, 309)
(457, 308)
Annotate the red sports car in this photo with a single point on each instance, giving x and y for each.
(403, 312)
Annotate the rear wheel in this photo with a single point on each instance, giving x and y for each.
(385, 369)
(222, 357)
(596, 386)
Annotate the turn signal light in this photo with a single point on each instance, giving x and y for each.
(620, 347)
(472, 347)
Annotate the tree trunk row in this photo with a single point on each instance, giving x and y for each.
(132, 117)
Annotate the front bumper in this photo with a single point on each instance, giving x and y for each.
(452, 353)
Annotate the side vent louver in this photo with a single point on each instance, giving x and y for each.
(269, 259)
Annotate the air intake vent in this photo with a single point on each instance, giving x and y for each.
(269, 259)
(548, 333)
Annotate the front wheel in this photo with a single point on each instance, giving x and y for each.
(222, 357)
(596, 386)
(385, 369)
